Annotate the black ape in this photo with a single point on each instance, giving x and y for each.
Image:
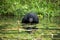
(30, 18)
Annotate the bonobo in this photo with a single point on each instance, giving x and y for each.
(31, 18)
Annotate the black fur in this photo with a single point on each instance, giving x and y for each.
(30, 15)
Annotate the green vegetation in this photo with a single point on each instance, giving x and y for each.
(12, 11)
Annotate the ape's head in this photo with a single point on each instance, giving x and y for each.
(30, 18)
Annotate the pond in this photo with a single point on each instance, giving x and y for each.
(10, 29)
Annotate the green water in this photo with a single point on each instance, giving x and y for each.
(45, 31)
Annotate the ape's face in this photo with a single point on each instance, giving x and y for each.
(30, 19)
